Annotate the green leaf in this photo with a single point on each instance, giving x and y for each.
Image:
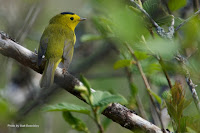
(178, 21)
(86, 83)
(103, 98)
(122, 63)
(165, 20)
(158, 98)
(91, 37)
(155, 9)
(151, 6)
(176, 4)
(74, 122)
(141, 55)
(67, 107)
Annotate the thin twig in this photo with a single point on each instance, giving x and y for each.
(187, 20)
(164, 71)
(146, 84)
(137, 98)
(115, 111)
(191, 85)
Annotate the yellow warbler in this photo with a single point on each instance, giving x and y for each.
(57, 44)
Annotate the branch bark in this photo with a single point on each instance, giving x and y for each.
(115, 111)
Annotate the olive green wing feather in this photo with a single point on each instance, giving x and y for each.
(68, 51)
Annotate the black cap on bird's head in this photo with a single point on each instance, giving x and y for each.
(67, 13)
(71, 13)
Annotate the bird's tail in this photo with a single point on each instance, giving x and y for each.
(48, 74)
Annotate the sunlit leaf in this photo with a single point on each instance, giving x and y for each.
(86, 83)
(74, 122)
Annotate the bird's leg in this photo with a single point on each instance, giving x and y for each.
(64, 71)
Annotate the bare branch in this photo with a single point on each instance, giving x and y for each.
(116, 112)
(161, 62)
(191, 85)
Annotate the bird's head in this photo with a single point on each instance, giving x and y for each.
(67, 19)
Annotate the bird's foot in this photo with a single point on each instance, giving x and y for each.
(64, 71)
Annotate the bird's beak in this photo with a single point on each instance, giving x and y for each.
(82, 19)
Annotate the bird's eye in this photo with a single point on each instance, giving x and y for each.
(72, 18)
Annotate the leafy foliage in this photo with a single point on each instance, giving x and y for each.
(74, 122)
(97, 100)
(67, 107)
(175, 106)
(105, 98)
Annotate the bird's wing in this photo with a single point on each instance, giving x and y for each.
(42, 49)
(68, 53)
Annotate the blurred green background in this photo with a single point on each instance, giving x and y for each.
(99, 45)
